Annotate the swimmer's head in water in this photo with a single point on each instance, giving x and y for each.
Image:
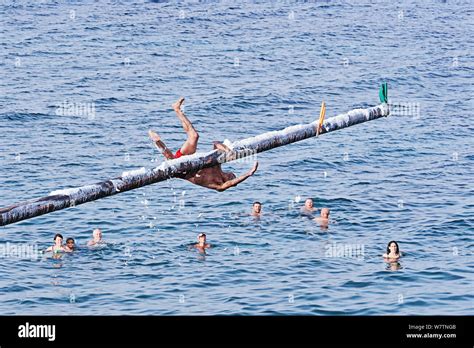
(308, 203)
(60, 236)
(257, 207)
(325, 213)
(70, 243)
(202, 237)
(97, 234)
(392, 247)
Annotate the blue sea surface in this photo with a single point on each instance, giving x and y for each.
(82, 82)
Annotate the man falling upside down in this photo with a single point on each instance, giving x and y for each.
(213, 177)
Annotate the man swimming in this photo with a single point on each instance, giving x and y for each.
(323, 219)
(256, 209)
(58, 244)
(202, 245)
(308, 208)
(213, 178)
(70, 244)
(96, 237)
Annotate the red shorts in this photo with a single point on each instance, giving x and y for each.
(178, 154)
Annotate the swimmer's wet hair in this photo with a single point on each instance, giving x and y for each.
(388, 247)
(70, 240)
(257, 202)
(57, 235)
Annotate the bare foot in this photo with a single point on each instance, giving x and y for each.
(155, 137)
(177, 105)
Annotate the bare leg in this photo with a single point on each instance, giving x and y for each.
(160, 145)
(190, 145)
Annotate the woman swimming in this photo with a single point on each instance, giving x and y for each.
(393, 252)
(58, 245)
